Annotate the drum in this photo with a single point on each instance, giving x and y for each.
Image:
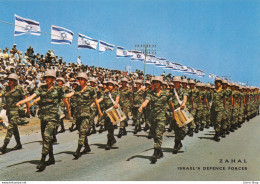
(115, 115)
(4, 118)
(182, 117)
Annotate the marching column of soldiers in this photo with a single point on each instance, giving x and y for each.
(154, 107)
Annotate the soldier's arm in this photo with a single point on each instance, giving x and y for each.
(184, 102)
(192, 102)
(144, 104)
(98, 107)
(172, 108)
(35, 101)
(117, 102)
(206, 102)
(28, 99)
(69, 95)
(100, 100)
(224, 102)
(65, 101)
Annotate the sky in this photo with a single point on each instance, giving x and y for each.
(220, 37)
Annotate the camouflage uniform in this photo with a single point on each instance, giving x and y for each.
(235, 113)
(11, 98)
(138, 98)
(200, 118)
(209, 95)
(147, 110)
(84, 100)
(218, 109)
(227, 113)
(50, 99)
(125, 103)
(107, 104)
(192, 93)
(158, 111)
(242, 109)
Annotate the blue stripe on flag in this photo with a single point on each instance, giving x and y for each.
(60, 29)
(61, 41)
(27, 21)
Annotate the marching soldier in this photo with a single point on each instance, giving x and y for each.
(235, 107)
(209, 98)
(158, 98)
(147, 110)
(12, 93)
(73, 106)
(110, 98)
(227, 112)
(218, 106)
(180, 100)
(199, 107)
(85, 95)
(93, 107)
(138, 98)
(50, 95)
(125, 103)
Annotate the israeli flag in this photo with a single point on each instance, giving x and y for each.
(60, 35)
(103, 46)
(161, 62)
(120, 52)
(26, 26)
(150, 59)
(86, 42)
(200, 73)
(137, 55)
(167, 64)
(190, 71)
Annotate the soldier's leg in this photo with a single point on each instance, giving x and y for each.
(203, 119)
(110, 133)
(122, 130)
(17, 138)
(191, 125)
(179, 135)
(134, 111)
(217, 125)
(198, 119)
(47, 143)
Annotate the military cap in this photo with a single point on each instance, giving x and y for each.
(171, 84)
(116, 83)
(176, 79)
(192, 82)
(61, 79)
(212, 87)
(225, 82)
(229, 84)
(218, 79)
(164, 83)
(158, 78)
(208, 85)
(184, 81)
(50, 73)
(13, 76)
(202, 84)
(100, 85)
(124, 80)
(82, 75)
(233, 84)
(138, 81)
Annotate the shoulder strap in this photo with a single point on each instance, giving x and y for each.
(110, 96)
(177, 96)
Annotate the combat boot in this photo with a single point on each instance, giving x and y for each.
(223, 133)
(86, 149)
(146, 127)
(77, 154)
(126, 124)
(232, 129)
(159, 154)
(135, 130)
(113, 141)
(51, 157)
(41, 166)
(154, 156)
(202, 127)
(101, 129)
(216, 137)
(93, 130)
(176, 147)
(108, 146)
(71, 128)
(18, 142)
(239, 125)
(227, 131)
(120, 133)
(124, 131)
(196, 129)
(190, 132)
(3, 148)
(207, 125)
(139, 129)
(62, 127)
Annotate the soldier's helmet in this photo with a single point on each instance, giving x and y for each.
(50, 73)
(158, 78)
(110, 82)
(116, 84)
(61, 79)
(148, 82)
(164, 83)
(184, 81)
(198, 84)
(192, 82)
(138, 81)
(176, 79)
(100, 85)
(208, 85)
(225, 82)
(76, 83)
(218, 79)
(171, 84)
(202, 84)
(13, 76)
(212, 87)
(229, 84)
(92, 79)
(124, 80)
(233, 84)
(82, 75)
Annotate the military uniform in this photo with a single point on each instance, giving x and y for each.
(227, 112)
(12, 111)
(138, 98)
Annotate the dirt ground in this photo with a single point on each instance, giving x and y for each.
(32, 127)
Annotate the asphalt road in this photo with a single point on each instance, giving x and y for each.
(129, 158)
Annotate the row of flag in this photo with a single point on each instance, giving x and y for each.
(213, 77)
(60, 35)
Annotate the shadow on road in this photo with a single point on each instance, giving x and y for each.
(170, 136)
(66, 152)
(32, 142)
(209, 134)
(211, 138)
(139, 156)
(141, 136)
(103, 146)
(34, 162)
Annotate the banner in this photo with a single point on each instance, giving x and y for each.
(26, 26)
